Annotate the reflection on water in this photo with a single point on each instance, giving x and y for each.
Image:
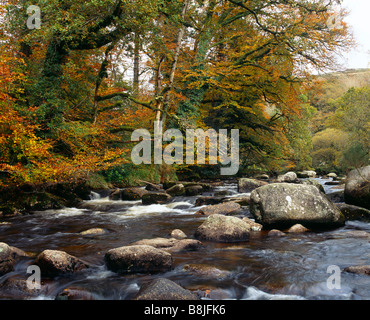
(291, 267)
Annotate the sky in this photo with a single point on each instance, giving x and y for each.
(359, 20)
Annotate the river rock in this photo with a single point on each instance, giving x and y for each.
(132, 194)
(138, 259)
(276, 233)
(176, 190)
(153, 187)
(364, 270)
(171, 245)
(93, 232)
(246, 185)
(332, 175)
(208, 200)
(75, 293)
(297, 228)
(17, 288)
(164, 289)
(333, 183)
(8, 257)
(357, 189)
(242, 200)
(221, 228)
(178, 234)
(306, 174)
(289, 177)
(284, 205)
(204, 270)
(336, 197)
(262, 176)
(155, 198)
(54, 262)
(115, 195)
(254, 226)
(193, 190)
(351, 212)
(228, 208)
(315, 183)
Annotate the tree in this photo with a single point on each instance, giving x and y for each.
(352, 115)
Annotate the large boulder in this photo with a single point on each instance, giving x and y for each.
(138, 259)
(284, 205)
(221, 228)
(246, 185)
(357, 189)
(164, 289)
(54, 263)
(228, 208)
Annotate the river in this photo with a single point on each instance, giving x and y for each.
(291, 267)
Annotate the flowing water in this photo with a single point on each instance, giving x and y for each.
(291, 267)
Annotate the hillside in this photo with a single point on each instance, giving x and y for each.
(336, 144)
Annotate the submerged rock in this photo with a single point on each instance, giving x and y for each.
(93, 232)
(227, 208)
(221, 228)
(75, 293)
(171, 245)
(284, 205)
(204, 270)
(276, 233)
(365, 270)
(164, 289)
(138, 259)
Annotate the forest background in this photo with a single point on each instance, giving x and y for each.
(73, 90)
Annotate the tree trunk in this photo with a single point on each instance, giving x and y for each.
(136, 63)
(180, 36)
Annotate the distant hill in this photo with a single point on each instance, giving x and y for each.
(338, 83)
(334, 85)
